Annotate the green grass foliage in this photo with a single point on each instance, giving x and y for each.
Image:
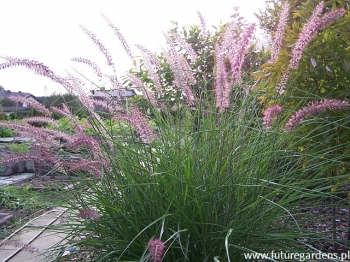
(212, 186)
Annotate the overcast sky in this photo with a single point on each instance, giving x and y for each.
(49, 31)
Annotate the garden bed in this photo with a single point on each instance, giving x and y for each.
(324, 225)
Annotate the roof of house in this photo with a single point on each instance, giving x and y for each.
(14, 108)
(114, 93)
(8, 109)
(8, 93)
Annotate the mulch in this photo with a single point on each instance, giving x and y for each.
(320, 220)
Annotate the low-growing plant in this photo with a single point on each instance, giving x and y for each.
(15, 197)
(18, 147)
(8, 199)
(5, 132)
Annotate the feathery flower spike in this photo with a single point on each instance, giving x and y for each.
(152, 57)
(91, 166)
(183, 75)
(156, 250)
(152, 65)
(314, 108)
(114, 81)
(222, 86)
(89, 214)
(38, 67)
(41, 119)
(153, 75)
(329, 17)
(203, 26)
(281, 27)
(306, 35)
(66, 113)
(284, 80)
(185, 45)
(89, 63)
(147, 93)
(237, 57)
(315, 23)
(269, 115)
(137, 120)
(34, 104)
(120, 36)
(100, 46)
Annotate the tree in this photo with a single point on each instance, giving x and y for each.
(324, 68)
(57, 100)
(7, 102)
(202, 42)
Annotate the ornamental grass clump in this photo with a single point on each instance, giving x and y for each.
(205, 180)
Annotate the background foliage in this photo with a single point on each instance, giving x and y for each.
(323, 73)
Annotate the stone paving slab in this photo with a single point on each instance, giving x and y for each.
(5, 251)
(25, 235)
(46, 240)
(10, 180)
(36, 237)
(15, 139)
(24, 256)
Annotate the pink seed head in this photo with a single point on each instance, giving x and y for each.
(156, 250)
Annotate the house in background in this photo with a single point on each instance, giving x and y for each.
(9, 106)
(121, 94)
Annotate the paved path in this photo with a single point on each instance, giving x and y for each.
(30, 242)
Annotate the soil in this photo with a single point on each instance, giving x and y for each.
(324, 225)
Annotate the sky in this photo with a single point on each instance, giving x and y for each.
(49, 31)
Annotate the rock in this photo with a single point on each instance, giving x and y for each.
(5, 218)
(42, 169)
(30, 167)
(15, 167)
